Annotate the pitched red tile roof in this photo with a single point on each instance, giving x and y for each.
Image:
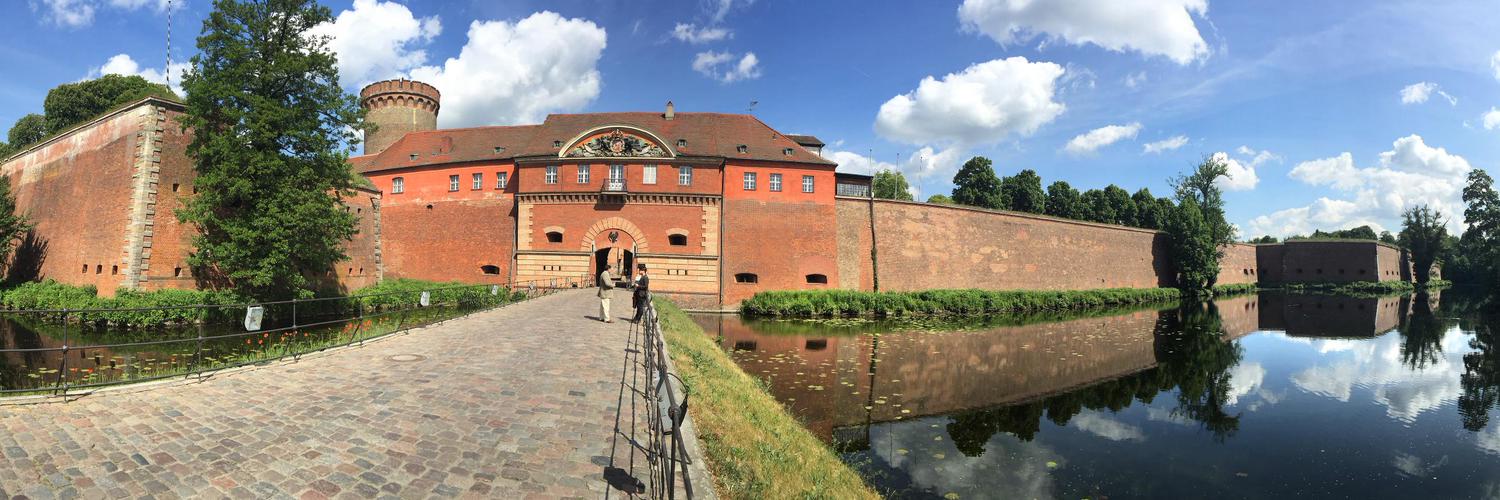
(707, 134)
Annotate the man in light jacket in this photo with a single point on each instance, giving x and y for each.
(606, 283)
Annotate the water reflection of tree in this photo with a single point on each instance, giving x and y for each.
(1422, 334)
(1192, 357)
(1481, 378)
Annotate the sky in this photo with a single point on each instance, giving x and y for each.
(1330, 114)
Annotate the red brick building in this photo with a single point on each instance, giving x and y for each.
(718, 205)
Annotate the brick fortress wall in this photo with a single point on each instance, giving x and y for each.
(104, 197)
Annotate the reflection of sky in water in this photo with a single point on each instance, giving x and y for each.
(1375, 366)
(1316, 418)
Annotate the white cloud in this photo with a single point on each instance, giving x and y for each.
(1495, 64)
(691, 33)
(1167, 144)
(721, 66)
(123, 64)
(374, 41)
(1241, 176)
(1491, 119)
(1102, 425)
(718, 9)
(1092, 140)
(69, 13)
(982, 104)
(1417, 93)
(80, 13)
(1134, 80)
(1375, 366)
(921, 164)
(517, 72)
(1152, 27)
(1411, 173)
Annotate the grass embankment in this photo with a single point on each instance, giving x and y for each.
(1365, 288)
(755, 448)
(832, 303)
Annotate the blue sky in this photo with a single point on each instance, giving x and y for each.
(1075, 90)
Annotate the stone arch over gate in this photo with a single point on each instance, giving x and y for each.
(615, 223)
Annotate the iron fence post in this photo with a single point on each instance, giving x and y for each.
(197, 354)
(62, 368)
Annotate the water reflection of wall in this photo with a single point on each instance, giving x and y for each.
(932, 373)
(1332, 316)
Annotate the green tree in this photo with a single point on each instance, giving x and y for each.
(72, 103)
(1387, 237)
(1482, 238)
(891, 185)
(1202, 187)
(1123, 206)
(1148, 214)
(6, 151)
(13, 226)
(1423, 232)
(940, 199)
(1263, 239)
(1193, 249)
(1023, 192)
(28, 130)
(1097, 208)
(976, 184)
(270, 120)
(1064, 201)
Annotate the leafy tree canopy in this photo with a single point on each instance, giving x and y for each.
(891, 185)
(976, 184)
(1064, 201)
(27, 130)
(72, 103)
(1023, 192)
(270, 117)
(1121, 204)
(941, 199)
(13, 226)
(1423, 232)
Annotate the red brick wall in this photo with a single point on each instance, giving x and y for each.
(1270, 259)
(855, 268)
(1238, 265)
(363, 268)
(1388, 261)
(171, 241)
(423, 184)
(923, 246)
(1330, 261)
(781, 243)
(791, 180)
(450, 241)
(78, 190)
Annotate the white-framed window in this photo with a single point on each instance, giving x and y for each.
(453, 183)
(478, 181)
(648, 175)
(398, 185)
(749, 181)
(500, 179)
(807, 183)
(551, 174)
(685, 175)
(583, 173)
(776, 182)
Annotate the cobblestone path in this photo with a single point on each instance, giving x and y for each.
(518, 402)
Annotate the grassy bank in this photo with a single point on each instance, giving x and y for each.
(1354, 288)
(830, 303)
(755, 448)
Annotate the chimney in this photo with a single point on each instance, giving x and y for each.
(671, 111)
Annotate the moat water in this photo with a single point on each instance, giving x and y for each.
(1265, 396)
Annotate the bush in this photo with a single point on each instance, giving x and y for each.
(830, 303)
(407, 293)
(120, 309)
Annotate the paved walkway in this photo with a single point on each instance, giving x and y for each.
(518, 402)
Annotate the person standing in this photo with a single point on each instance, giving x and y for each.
(606, 283)
(642, 293)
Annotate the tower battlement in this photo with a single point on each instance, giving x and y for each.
(397, 107)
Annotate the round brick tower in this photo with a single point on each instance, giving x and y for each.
(397, 107)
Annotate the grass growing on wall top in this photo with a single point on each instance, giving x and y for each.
(755, 448)
(829, 303)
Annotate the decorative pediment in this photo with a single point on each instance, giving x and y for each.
(616, 142)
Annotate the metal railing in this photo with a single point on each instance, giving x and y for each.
(664, 405)
(613, 185)
(297, 327)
